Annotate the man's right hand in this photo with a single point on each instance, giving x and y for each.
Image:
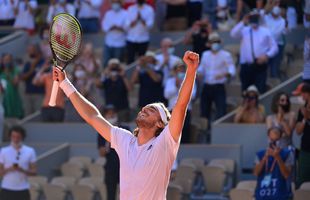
(245, 19)
(58, 75)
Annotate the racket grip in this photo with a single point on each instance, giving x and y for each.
(54, 92)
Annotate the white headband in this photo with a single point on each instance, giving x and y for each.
(161, 111)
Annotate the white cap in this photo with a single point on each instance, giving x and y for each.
(252, 88)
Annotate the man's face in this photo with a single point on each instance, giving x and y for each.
(274, 135)
(147, 117)
(305, 96)
(16, 138)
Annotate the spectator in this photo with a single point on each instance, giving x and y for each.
(44, 77)
(88, 14)
(81, 80)
(282, 117)
(194, 11)
(89, 60)
(24, 12)
(198, 36)
(140, 20)
(250, 111)
(166, 60)
(113, 25)
(33, 94)
(219, 10)
(273, 167)
(111, 178)
(149, 78)
(44, 44)
(306, 17)
(7, 15)
(116, 86)
(171, 92)
(216, 67)
(276, 24)
(2, 89)
(303, 129)
(175, 15)
(243, 6)
(17, 162)
(254, 56)
(306, 70)
(12, 103)
(59, 6)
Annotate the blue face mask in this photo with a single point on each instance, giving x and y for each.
(171, 50)
(181, 75)
(215, 47)
(116, 6)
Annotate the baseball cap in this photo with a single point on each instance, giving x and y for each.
(298, 90)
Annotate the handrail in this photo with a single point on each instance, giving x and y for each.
(232, 113)
(51, 151)
(11, 37)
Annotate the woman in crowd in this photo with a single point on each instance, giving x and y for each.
(282, 117)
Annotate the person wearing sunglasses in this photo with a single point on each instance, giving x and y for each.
(17, 162)
(250, 111)
(282, 117)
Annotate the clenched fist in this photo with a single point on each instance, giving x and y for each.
(191, 59)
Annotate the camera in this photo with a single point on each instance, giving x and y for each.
(15, 165)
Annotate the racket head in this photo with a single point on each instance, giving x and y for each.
(65, 38)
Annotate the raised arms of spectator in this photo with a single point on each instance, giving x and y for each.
(86, 109)
(176, 122)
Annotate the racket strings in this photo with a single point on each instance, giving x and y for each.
(65, 37)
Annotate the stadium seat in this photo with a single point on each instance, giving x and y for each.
(174, 192)
(54, 192)
(247, 185)
(66, 182)
(214, 179)
(83, 192)
(305, 186)
(101, 161)
(72, 170)
(185, 177)
(34, 191)
(36, 186)
(81, 159)
(240, 194)
(97, 182)
(197, 162)
(301, 194)
(96, 170)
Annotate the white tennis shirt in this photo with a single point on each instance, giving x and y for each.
(16, 180)
(145, 169)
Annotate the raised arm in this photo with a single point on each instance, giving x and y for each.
(191, 59)
(85, 108)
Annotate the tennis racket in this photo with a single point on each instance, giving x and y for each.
(65, 43)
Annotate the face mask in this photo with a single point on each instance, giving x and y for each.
(113, 120)
(80, 74)
(116, 6)
(285, 107)
(45, 36)
(254, 21)
(181, 75)
(171, 50)
(32, 56)
(215, 47)
(114, 73)
(276, 11)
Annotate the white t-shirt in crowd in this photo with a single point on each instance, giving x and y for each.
(8, 157)
(53, 10)
(7, 9)
(24, 18)
(89, 8)
(139, 33)
(144, 169)
(114, 38)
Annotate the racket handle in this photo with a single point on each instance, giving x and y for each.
(53, 97)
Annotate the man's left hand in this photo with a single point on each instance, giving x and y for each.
(191, 59)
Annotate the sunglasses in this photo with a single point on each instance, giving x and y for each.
(283, 100)
(251, 97)
(18, 155)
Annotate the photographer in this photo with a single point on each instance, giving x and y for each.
(198, 35)
(273, 168)
(116, 86)
(256, 48)
(250, 111)
(17, 162)
(150, 78)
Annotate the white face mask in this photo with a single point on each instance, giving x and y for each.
(79, 74)
(116, 6)
(171, 50)
(276, 11)
(215, 47)
(113, 120)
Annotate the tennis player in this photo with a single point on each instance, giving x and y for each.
(147, 155)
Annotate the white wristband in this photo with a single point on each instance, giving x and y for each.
(67, 87)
